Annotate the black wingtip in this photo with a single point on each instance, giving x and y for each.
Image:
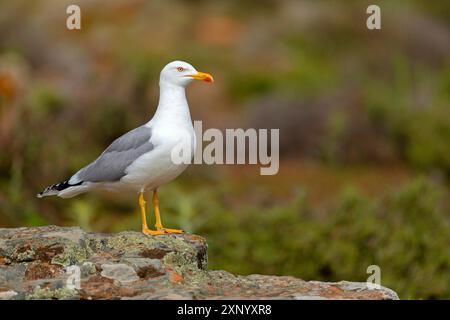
(55, 188)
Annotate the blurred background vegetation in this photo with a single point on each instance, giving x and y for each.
(364, 120)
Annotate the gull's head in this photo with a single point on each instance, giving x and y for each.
(181, 73)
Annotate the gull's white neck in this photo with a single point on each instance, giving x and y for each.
(172, 105)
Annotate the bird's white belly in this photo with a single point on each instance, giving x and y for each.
(158, 167)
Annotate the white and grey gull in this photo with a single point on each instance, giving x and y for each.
(141, 159)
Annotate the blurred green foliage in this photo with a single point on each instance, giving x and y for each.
(370, 109)
(420, 132)
(294, 239)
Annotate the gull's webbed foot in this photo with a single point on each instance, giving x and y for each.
(152, 232)
(168, 231)
(161, 231)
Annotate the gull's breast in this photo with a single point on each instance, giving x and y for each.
(161, 165)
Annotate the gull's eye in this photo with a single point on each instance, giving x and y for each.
(180, 69)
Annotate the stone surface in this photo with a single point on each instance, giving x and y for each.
(67, 263)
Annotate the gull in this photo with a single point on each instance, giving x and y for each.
(141, 159)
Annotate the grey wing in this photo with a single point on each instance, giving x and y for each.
(112, 163)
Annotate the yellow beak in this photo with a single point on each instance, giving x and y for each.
(202, 76)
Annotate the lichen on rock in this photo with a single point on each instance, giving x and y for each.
(39, 293)
(67, 263)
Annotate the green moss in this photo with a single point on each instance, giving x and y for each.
(129, 239)
(47, 294)
(187, 267)
(25, 256)
(88, 268)
(72, 255)
(134, 241)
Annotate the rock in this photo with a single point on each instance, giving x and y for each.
(68, 263)
(145, 267)
(6, 295)
(119, 272)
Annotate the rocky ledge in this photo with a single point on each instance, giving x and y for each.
(68, 263)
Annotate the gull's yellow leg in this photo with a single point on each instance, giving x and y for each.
(158, 224)
(145, 229)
